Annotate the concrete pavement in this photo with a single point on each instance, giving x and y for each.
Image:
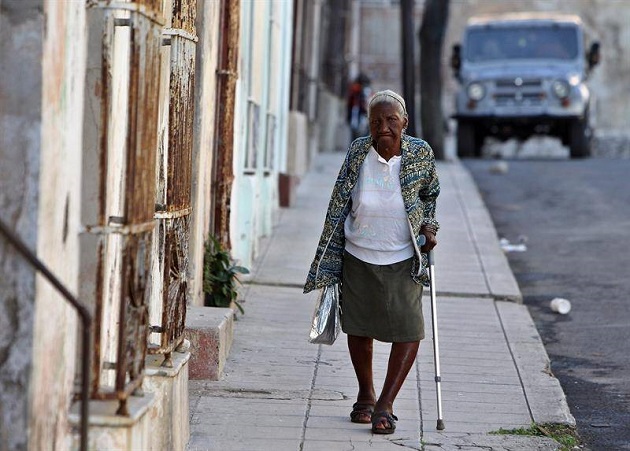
(280, 392)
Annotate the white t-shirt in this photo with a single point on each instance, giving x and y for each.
(377, 228)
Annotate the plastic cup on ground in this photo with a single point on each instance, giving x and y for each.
(559, 305)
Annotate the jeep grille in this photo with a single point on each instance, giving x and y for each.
(518, 91)
(518, 82)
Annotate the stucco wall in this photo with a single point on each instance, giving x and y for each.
(208, 14)
(261, 86)
(55, 332)
(21, 26)
(297, 162)
(379, 57)
(39, 198)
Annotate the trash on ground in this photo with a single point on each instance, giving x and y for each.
(560, 305)
(600, 425)
(510, 247)
(499, 167)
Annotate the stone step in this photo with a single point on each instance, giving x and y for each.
(210, 331)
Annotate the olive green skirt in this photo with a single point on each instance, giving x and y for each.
(381, 301)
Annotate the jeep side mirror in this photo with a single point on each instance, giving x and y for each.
(456, 59)
(593, 55)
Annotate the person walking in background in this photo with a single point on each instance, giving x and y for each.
(359, 93)
(381, 211)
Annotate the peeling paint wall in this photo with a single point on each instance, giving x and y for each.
(42, 54)
(205, 110)
(21, 45)
(63, 66)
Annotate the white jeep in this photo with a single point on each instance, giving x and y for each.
(522, 75)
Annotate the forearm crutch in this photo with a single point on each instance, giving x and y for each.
(436, 349)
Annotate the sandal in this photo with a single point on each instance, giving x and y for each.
(389, 423)
(362, 412)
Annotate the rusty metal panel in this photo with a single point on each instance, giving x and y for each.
(223, 174)
(98, 322)
(151, 9)
(134, 229)
(134, 317)
(176, 280)
(174, 185)
(94, 190)
(98, 96)
(143, 115)
(139, 204)
(184, 14)
(181, 118)
(174, 236)
(152, 6)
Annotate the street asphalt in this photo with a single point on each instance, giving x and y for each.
(279, 392)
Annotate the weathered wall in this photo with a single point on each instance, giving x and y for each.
(39, 198)
(208, 14)
(261, 91)
(63, 66)
(331, 116)
(21, 35)
(245, 193)
(608, 21)
(297, 162)
(379, 58)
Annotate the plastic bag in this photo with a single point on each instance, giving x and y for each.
(326, 322)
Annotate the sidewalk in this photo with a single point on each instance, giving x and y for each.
(280, 392)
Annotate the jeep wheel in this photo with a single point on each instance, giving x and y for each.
(579, 139)
(467, 144)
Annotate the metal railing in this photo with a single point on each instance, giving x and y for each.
(84, 315)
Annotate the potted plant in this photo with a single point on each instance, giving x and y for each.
(220, 276)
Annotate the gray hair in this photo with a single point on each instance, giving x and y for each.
(391, 98)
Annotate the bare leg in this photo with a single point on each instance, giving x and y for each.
(361, 350)
(401, 360)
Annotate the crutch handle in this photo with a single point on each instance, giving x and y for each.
(422, 242)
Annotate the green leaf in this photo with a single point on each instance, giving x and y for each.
(240, 269)
(220, 275)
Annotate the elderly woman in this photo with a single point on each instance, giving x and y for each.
(379, 226)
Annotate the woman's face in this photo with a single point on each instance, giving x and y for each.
(386, 125)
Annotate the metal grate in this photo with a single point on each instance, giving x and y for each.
(175, 181)
(122, 132)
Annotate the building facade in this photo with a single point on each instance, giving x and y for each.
(129, 133)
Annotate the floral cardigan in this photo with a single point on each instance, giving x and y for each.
(419, 186)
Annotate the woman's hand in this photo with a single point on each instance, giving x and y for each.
(431, 240)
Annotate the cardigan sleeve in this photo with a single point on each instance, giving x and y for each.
(429, 193)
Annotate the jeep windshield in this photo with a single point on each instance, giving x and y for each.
(492, 43)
